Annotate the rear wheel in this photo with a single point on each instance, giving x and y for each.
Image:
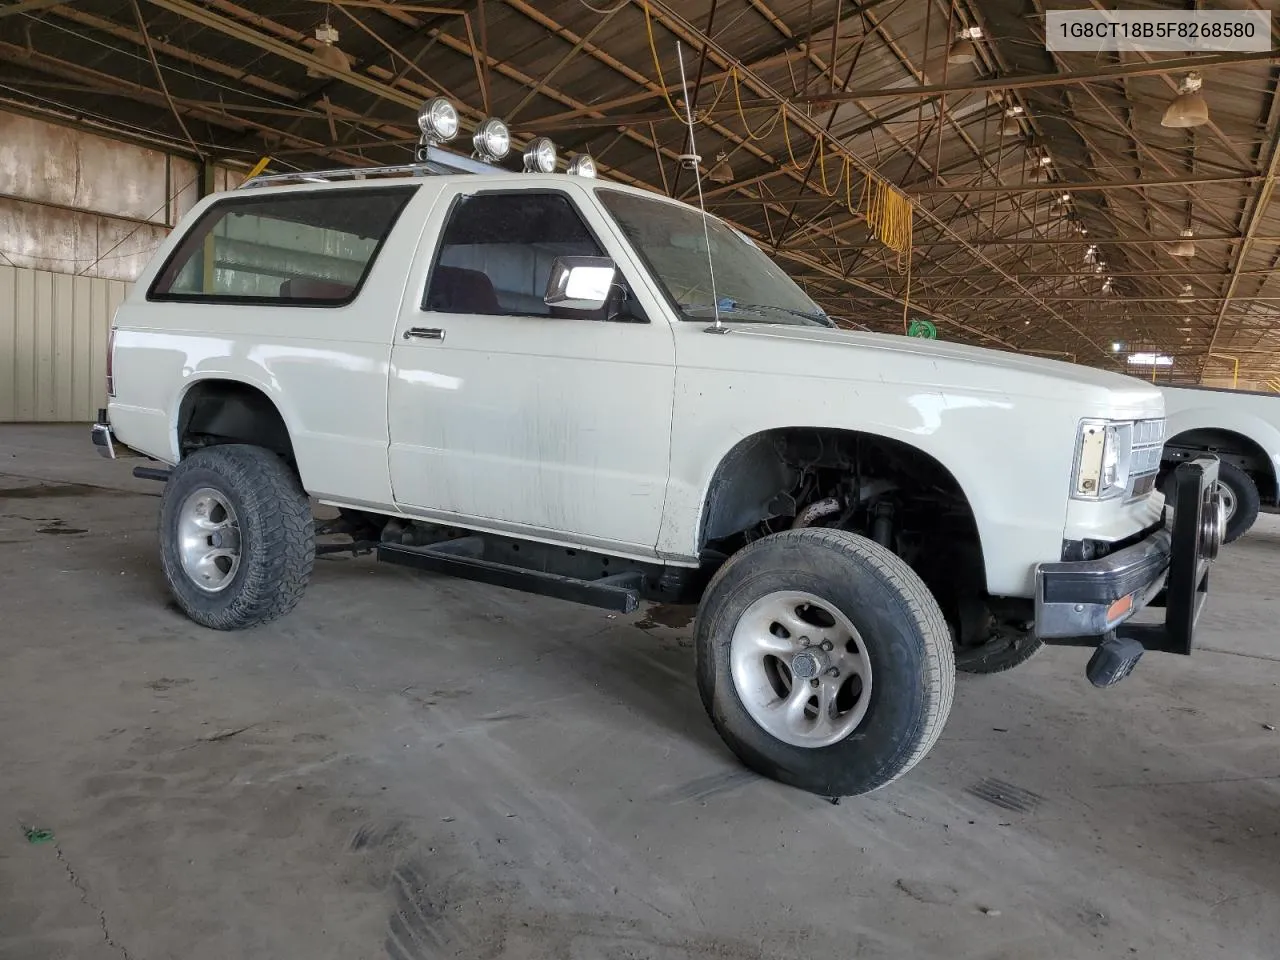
(823, 661)
(236, 536)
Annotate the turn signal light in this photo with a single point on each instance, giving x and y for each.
(1119, 608)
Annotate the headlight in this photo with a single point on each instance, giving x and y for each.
(582, 166)
(540, 156)
(492, 140)
(438, 120)
(1103, 456)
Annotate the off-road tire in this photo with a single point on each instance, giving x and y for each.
(277, 536)
(903, 631)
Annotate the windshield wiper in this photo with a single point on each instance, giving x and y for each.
(818, 318)
(728, 306)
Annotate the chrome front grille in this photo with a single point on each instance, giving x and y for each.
(1146, 432)
(1144, 459)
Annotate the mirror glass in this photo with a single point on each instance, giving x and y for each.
(589, 283)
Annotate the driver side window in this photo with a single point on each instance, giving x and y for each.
(496, 253)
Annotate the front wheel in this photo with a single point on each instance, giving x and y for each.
(236, 536)
(823, 661)
(1240, 500)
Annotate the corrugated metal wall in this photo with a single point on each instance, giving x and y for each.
(53, 344)
(93, 211)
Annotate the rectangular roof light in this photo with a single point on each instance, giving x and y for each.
(1149, 360)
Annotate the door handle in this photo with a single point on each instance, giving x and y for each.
(424, 333)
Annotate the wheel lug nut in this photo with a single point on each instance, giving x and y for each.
(828, 645)
(833, 672)
(805, 641)
(813, 682)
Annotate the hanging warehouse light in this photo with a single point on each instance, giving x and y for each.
(720, 171)
(1188, 108)
(1186, 247)
(327, 52)
(1091, 253)
(1186, 293)
(963, 50)
(1010, 127)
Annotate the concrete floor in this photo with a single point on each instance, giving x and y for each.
(415, 767)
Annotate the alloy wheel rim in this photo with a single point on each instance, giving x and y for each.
(1228, 497)
(800, 669)
(209, 540)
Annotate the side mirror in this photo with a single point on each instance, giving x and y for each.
(580, 283)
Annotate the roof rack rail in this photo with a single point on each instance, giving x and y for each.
(437, 163)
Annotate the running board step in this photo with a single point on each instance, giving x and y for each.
(456, 558)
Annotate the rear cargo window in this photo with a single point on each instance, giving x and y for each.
(300, 249)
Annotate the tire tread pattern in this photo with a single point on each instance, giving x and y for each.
(1014, 655)
(275, 576)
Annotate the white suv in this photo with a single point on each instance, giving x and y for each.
(1242, 429)
(573, 387)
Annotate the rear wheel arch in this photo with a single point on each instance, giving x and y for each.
(216, 411)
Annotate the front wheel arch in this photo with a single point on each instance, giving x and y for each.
(750, 472)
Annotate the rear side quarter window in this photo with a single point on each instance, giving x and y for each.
(312, 248)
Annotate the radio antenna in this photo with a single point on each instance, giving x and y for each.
(693, 161)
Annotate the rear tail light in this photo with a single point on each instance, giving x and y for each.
(111, 363)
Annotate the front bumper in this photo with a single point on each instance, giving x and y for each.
(1084, 602)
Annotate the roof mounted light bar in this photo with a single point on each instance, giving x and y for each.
(433, 162)
(438, 121)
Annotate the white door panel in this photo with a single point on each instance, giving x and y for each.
(533, 423)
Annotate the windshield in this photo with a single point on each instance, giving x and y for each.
(750, 287)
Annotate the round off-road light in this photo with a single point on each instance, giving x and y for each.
(540, 156)
(582, 166)
(438, 120)
(492, 139)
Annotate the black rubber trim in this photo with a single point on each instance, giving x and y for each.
(1090, 582)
